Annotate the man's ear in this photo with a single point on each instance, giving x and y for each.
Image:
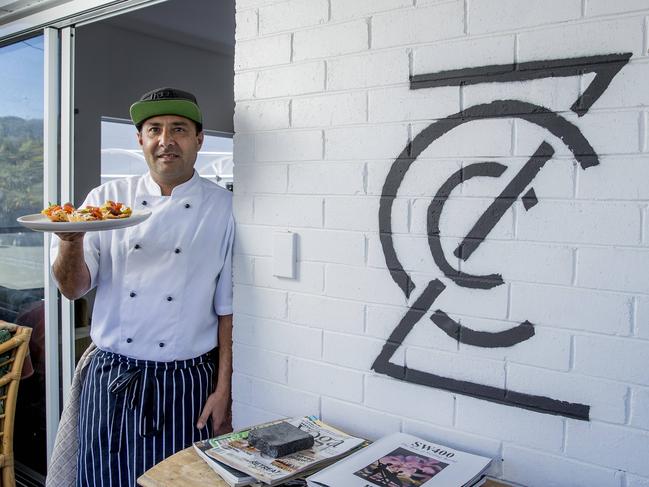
(139, 137)
(200, 137)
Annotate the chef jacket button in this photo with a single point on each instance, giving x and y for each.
(144, 202)
(161, 344)
(187, 205)
(132, 294)
(129, 340)
(177, 251)
(137, 246)
(169, 298)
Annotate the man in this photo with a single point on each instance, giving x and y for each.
(163, 303)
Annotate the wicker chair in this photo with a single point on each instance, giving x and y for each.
(12, 354)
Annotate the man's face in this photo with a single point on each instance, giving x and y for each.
(170, 144)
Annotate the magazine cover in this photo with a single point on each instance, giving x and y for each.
(402, 460)
(330, 444)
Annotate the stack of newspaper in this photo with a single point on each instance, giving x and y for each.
(240, 464)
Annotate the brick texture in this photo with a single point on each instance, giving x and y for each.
(325, 106)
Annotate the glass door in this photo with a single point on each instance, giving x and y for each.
(22, 276)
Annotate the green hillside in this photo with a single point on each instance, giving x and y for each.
(21, 168)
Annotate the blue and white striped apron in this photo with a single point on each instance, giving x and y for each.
(135, 413)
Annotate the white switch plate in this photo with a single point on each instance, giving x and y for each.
(284, 254)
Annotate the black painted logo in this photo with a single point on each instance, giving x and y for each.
(605, 67)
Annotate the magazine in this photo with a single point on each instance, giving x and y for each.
(402, 460)
(330, 444)
(233, 477)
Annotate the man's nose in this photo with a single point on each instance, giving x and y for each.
(167, 138)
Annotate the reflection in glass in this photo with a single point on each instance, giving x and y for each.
(121, 155)
(21, 251)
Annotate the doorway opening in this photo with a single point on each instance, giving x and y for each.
(187, 44)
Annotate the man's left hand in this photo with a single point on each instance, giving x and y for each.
(216, 407)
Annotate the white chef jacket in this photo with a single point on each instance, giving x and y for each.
(162, 283)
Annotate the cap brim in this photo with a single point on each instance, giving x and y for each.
(142, 110)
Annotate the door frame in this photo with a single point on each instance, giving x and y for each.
(57, 24)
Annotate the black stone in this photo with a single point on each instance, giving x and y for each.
(280, 439)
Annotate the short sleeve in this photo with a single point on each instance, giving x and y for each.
(90, 244)
(223, 293)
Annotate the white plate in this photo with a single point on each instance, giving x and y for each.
(41, 223)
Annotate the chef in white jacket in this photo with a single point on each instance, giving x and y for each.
(162, 317)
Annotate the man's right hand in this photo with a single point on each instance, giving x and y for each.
(69, 236)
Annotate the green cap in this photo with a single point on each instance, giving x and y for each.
(166, 101)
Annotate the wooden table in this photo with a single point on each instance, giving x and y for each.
(187, 469)
(184, 469)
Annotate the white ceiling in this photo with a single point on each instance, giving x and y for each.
(207, 24)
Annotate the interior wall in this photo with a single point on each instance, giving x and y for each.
(115, 66)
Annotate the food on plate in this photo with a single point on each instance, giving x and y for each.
(58, 213)
(113, 209)
(110, 210)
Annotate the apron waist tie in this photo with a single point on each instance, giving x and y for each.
(134, 390)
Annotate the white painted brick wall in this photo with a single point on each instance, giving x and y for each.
(331, 40)
(550, 349)
(624, 448)
(640, 408)
(608, 313)
(509, 425)
(291, 80)
(344, 9)
(327, 178)
(361, 71)
(589, 351)
(401, 104)
(330, 110)
(323, 108)
(327, 313)
(331, 246)
(281, 210)
(501, 15)
(295, 14)
(289, 146)
(333, 381)
(383, 141)
(608, 399)
(464, 53)
(263, 52)
(353, 351)
(387, 395)
(374, 425)
(246, 24)
(583, 39)
(539, 469)
(413, 26)
(265, 115)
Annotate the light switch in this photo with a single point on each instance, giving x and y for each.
(284, 254)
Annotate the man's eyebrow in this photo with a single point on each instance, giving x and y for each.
(179, 123)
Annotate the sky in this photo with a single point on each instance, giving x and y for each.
(21, 79)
